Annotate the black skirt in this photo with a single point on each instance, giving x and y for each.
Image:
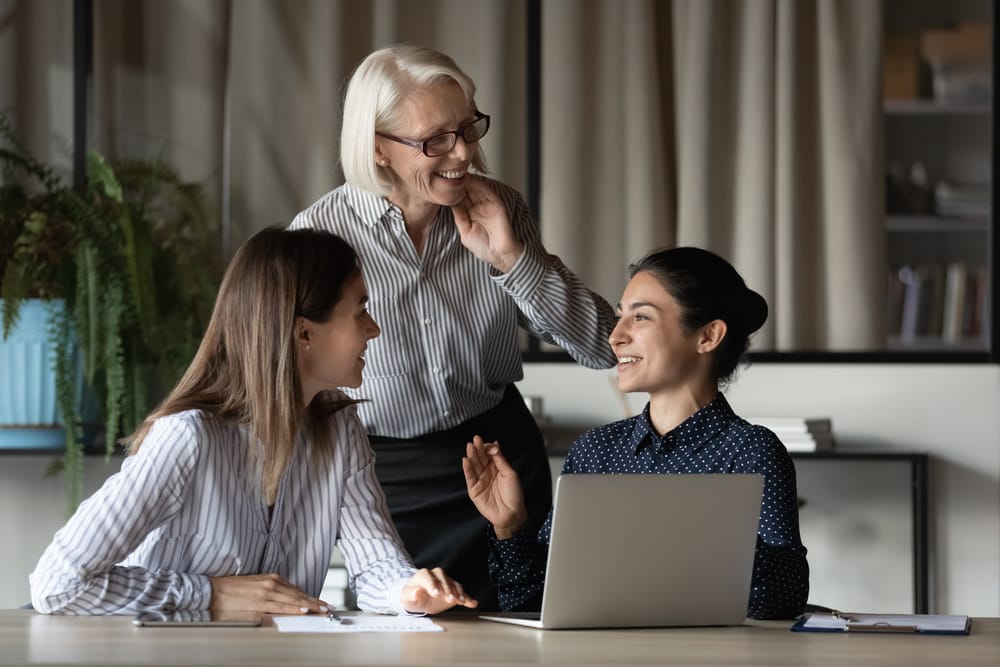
(425, 488)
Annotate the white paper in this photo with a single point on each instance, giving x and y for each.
(356, 623)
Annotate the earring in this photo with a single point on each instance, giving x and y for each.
(383, 162)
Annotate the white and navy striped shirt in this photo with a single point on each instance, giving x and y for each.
(449, 321)
(185, 507)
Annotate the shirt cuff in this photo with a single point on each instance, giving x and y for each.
(516, 549)
(396, 599)
(195, 593)
(524, 278)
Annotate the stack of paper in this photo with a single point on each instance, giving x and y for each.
(962, 200)
(356, 623)
(799, 434)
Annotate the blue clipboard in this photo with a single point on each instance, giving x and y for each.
(924, 624)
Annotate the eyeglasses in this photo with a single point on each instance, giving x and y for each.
(441, 144)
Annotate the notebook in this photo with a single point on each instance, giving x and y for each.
(648, 550)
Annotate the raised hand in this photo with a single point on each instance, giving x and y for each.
(483, 225)
(265, 593)
(433, 591)
(494, 487)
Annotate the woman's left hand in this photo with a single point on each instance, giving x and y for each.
(433, 591)
(483, 225)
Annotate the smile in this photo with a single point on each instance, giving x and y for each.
(628, 360)
(452, 175)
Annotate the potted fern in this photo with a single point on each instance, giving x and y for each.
(134, 259)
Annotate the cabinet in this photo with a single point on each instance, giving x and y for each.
(840, 488)
(938, 155)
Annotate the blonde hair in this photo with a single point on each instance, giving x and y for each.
(246, 368)
(373, 100)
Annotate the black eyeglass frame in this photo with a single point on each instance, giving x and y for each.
(460, 132)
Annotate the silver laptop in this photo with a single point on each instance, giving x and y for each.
(648, 550)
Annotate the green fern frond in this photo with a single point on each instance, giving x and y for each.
(150, 172)
(60, 332)
(101, 175)
(87, 309)
(12, 294)
(115, 389)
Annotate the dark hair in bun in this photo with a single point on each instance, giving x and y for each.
(707, 287)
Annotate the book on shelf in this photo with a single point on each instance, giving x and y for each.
(913, 279)
(800, 434)
(976, 295)
(894, 288)
(932, 319)
(954, 302)
(935, 301)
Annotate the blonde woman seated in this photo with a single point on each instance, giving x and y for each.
(238, 486)
(684, 324)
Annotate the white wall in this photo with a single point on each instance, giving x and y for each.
(32, 508)
(858, 539)
(856, 519)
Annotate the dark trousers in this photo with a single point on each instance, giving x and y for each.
(425, 488)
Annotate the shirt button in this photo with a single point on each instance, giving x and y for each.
(427, 320)
(447, 413)
(436, 370)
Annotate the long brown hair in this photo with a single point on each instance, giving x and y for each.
(246, 368)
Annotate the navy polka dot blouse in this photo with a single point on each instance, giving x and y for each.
(713, 440)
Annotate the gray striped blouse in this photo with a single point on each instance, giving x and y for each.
(449, 321)
(185, 508)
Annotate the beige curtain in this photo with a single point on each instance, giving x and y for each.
(290, 60)
(750, 127)
(608, 175)
(247, 94)
(36, 74)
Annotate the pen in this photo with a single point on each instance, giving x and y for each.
(331, 616)
(847, 618)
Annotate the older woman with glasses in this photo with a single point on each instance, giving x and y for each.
(454, 265)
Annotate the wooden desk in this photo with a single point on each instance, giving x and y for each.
(27, 638)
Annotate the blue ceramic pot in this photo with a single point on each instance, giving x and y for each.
(29, 412)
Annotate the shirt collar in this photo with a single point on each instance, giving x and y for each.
(371, 209)
(696, 430)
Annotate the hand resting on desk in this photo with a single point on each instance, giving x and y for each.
(427, 592)
(264, 593)
(432, 591)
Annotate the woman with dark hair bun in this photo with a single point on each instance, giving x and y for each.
(684, 323)
(707, 287)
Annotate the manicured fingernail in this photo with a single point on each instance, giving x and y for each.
(323, 608)
(304, 610)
